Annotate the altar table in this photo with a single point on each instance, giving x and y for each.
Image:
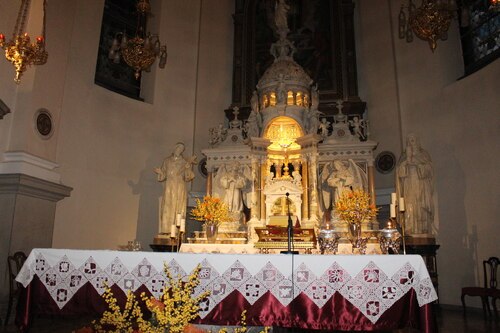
(331, 292)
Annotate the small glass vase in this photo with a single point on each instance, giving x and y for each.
(358, 242)
(211, 231)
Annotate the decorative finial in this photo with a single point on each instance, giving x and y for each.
(236, 112)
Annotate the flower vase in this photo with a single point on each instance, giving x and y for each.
(358, 242)
(211, 231)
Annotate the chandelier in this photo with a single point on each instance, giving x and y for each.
(428, 22)
(141, 51)
(19, 50)
(495, 5)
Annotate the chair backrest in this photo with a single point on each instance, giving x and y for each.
(490, 268)
(15, 262)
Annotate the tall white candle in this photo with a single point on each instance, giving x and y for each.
(401, 204)
(173, 231)
(178, 219)
(393, 198)
(183, 225)
(393, 210)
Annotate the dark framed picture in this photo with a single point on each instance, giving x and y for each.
(385, 162)
(202, 167)
(43, 123)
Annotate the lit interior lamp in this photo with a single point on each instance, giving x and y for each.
(19, 50)
(495, 4)
(141, 51)
(429, 22)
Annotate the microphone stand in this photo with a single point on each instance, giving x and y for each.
(289, 230)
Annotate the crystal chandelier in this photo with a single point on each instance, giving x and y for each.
(428, 22)
(19, 50)
(141, 51)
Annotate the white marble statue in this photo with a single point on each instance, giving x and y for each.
(314, 97)
(176, 171)
(358, 127)
(281, 16)
(253, 124)
(217, 134)
(233, 181)
(313, 121)
(297, 178)
(339, 176)
(281, 90)
(414, 182)
(323, 127)
(254, 102)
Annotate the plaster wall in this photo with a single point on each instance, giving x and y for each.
(112, 143)
(8, 12)
(377, 80)
(214, 85)
(18, 132)
(457, 123)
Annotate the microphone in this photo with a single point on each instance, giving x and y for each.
(289, 229)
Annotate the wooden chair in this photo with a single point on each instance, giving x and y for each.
(15, 262)
(490, 268)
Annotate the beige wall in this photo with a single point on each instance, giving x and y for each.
(107, 145)
(409, 89)
(112, 143)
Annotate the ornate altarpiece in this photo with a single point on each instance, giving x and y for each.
(323, 33)
(275, 143)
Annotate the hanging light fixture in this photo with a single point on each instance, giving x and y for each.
(495, 5)
(428, 22)
(141, 51)
(19, 50)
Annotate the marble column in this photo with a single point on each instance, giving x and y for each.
(371, 190)
(255, 202)
(263, 175)
(313, 183)
(305, 193)
(209, 182)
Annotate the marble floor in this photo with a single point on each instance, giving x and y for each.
(450, 320)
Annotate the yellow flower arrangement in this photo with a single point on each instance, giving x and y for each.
(354, 206)
(176, 308)
(211, 210)
(116, 320)
(172, 313)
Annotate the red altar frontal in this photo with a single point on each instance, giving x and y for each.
(331, 292)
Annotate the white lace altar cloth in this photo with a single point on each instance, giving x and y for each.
(372, 283)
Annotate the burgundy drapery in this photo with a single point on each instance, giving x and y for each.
(336, 314)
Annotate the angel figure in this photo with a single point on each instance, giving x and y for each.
(338, 176)
(358, 126)
(323, 127)
(253, 124)
(313, 121)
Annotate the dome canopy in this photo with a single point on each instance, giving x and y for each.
(287, 69)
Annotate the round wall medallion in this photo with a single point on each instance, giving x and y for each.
(385, 162)
(43, 122)
(202, 167)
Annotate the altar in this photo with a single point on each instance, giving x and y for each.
(371, 292)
